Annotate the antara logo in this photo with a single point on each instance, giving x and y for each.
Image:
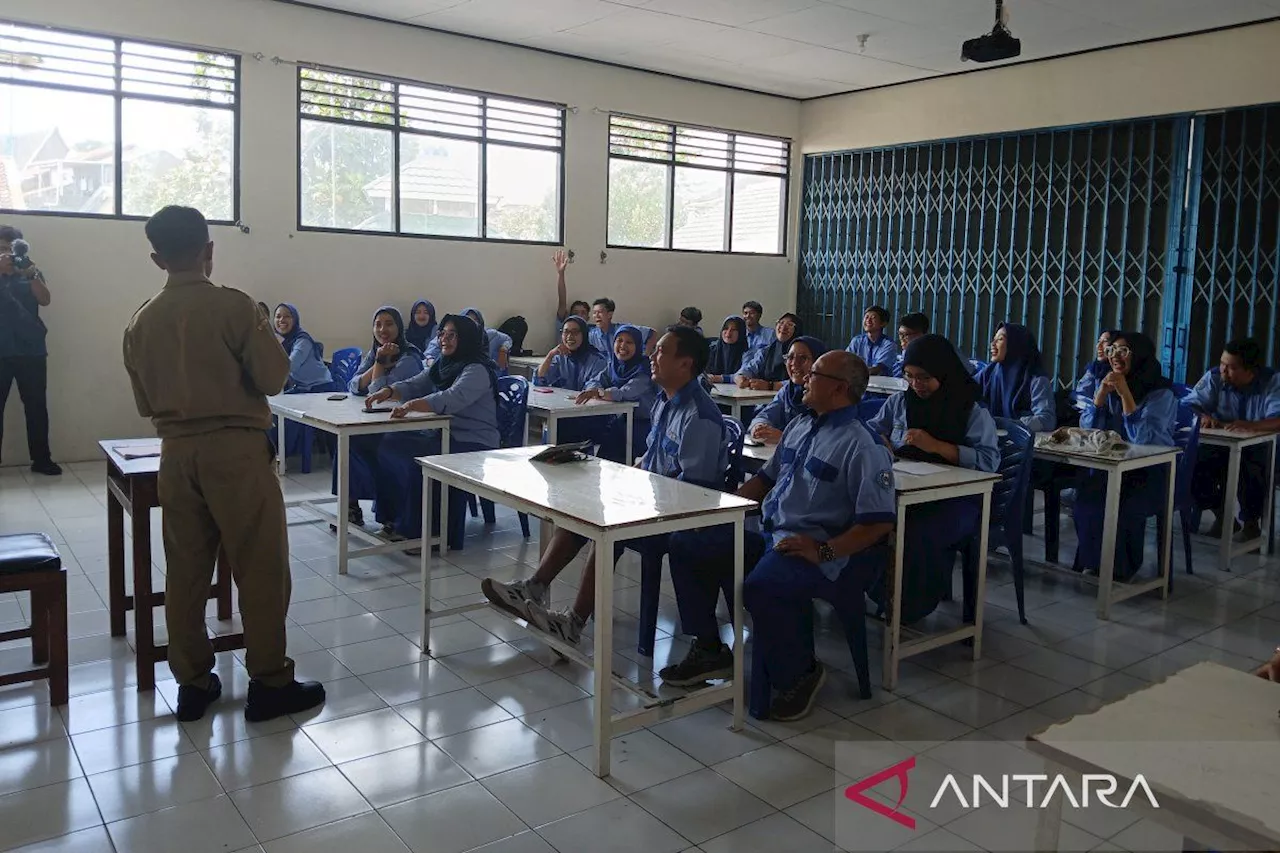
(1093, 787)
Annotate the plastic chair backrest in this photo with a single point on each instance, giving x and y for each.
(1187, 438)
(736, 434)
(345, 363)
(1008, 496)
(513, 407)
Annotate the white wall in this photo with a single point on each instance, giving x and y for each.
(99, 271)
(1229, 68)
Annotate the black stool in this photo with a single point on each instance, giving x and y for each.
(30, 563)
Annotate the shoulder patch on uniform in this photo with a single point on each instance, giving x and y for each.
(885, 479)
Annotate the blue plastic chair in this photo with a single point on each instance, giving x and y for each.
(651, 566)
(868, 409)
(1008, 505)
(513, 410)
(345, 363)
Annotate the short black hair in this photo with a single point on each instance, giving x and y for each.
(692, 314)
(578, 302)
(753, 305)
(879, 312)
(8, 233)
(609, 304)
(1247, 350)
(915, 321)
(178, 234)
(691, 344)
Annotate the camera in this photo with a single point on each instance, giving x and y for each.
(21, 258)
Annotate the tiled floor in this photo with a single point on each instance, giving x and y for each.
(486, 747)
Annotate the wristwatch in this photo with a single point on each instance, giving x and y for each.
(825, 552)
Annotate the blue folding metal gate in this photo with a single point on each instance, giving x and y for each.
(1067, 231)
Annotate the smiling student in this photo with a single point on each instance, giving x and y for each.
(307, 370)
(873, 346)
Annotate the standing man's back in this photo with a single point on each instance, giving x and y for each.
(202, 359)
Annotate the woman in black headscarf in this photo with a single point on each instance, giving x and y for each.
(937, 420)
(1136, 400)
(766, 369)
(727, 353)
(462, 383)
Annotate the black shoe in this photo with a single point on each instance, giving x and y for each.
(699, 665)
(267, 703)
(47, 467)
(193, 702)
(797, 701)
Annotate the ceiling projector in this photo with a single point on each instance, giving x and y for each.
(994, 46)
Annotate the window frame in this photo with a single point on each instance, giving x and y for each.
(397, 129)
(118, 95)
(729, 172)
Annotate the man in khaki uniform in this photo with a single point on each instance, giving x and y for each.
(202, 359)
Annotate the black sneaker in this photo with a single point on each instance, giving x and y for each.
(47, 467)
(797, 702)
(193, 702)
(699, 665)
(267, 703)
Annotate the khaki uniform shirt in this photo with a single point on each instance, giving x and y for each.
(203, 358)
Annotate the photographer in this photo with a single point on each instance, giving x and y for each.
(22, 348)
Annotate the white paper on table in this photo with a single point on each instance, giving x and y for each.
(917, 469)
(138, 451)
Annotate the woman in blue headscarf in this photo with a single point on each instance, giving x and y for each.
(628, 379)
(421, 330)
(727, 353)
(498, 344)
(1013, 384)
(574, 362)
(306, 357)
(771, 420)
(1097, 370)
(390, 359)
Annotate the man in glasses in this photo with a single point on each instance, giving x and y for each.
(912, 326)
(1243, 395)
(828, 505)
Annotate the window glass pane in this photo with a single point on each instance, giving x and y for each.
(699, 213)
(439, 186)
(57, 150)
(637, 203)
(346, 177)
(523, 191)
(758, 204)
(177, 154)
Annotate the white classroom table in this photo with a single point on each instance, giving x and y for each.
(949, 482)
(1206, 740)
(1235, 443)
(345, 418)
(556, 404)
(607, 503)
(524, 365)
(887, 385)
(728, 394)
(1115, 465)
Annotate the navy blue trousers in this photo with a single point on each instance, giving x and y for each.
(1142, 494)
(363, 472)
(399, 487)
(1210, 480)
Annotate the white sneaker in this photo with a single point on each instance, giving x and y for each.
(563, 625)
(515, 598)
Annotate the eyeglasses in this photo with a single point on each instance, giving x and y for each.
(792, 357)
(917, 378)
(1117, 351)
(827, 376)
(448, 336)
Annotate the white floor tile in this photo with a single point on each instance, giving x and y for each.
(495, 748)
(852, 827)
(780, 775)
(366, 833)
(112, 708)
(452, 821)
(906, 721)
(345, 697)
(411, 683)
(996, 829)
(156, 785)
(531, 692)
(298, 803)
(92, 840)
(706, 736)
(702, 805)
(348, 630)
(490, 663)
(320, 665)
(36, 764)
(373, 733)
(451, 713)
(549, 790)
(454, 639)
(135, 743)
(404, 774)
(525, 842)
(628, 827)
(47, 812)
(224, 723)
(772, 834)
(209, 826)
(640, 760)
(30, 724)
(266, 759)
(967, 704)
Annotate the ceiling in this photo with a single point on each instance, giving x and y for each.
(806, 48)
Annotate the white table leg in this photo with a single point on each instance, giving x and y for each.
(281, 463)
(739, 651)
(630, 459)
(980, 582)
(444, 505)
(344, 500)
(1268, 506)
(1229, 508)
(546, 528)
(1049, 823)
(1107, 564)
(425, 562)
(893, 630)
(1166, 541)
(602, 708)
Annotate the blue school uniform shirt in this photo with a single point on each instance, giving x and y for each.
(828, 475)
(1043, 416)
(572, 375)
(980, 450)
(879, 353)
(639, 389)
(1258, 401)
(1152, 423)
(406, 367)
(687, 440)
(307, 369)
(898, 365)
(780, 411)
(469, 400)
(604, 343)
(761, 337)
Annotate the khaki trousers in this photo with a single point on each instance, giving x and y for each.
(214, 488)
